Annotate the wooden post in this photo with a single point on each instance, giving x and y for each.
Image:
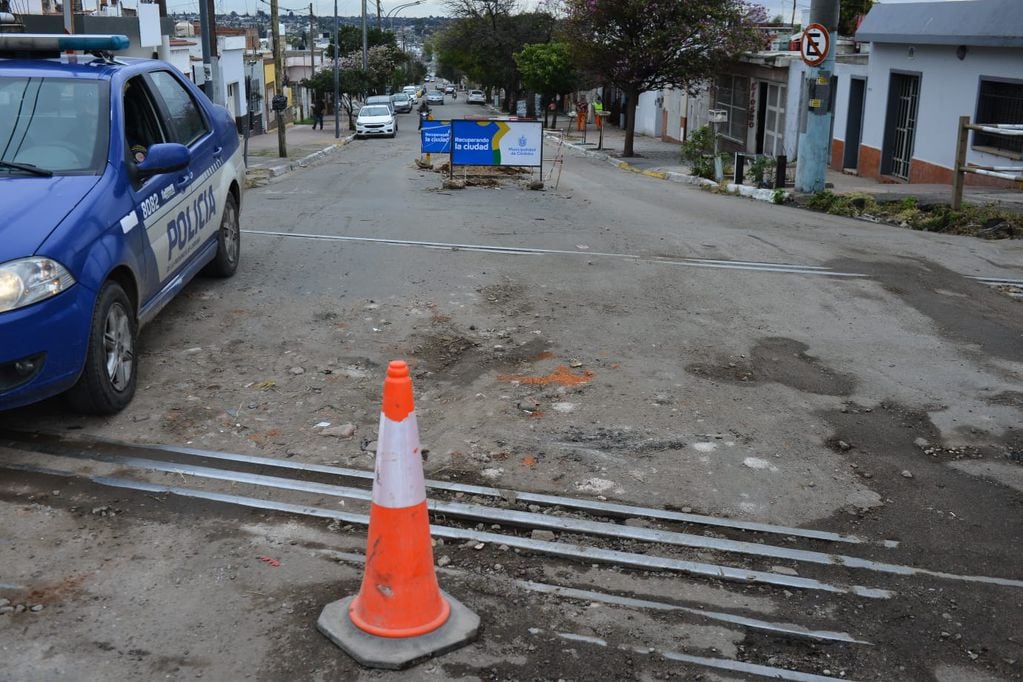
(959, 179)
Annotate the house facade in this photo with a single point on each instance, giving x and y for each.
(966, 59)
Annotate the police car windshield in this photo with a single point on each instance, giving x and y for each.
(55, 124)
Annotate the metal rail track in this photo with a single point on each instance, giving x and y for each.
(712, 263)
(534, 520)
(788, 629)
(559, 549)
(755, 266)
(51, 446)
(119, 465)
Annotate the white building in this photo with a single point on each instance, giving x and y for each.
(930, 63)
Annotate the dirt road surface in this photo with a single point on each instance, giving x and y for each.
(617, 340)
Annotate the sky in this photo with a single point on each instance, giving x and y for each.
(427, 8)
(784, 7)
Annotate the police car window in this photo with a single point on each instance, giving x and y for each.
(141, 123)
(55, 124)
(188, 122)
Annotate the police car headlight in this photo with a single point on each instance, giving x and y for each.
(27, 281)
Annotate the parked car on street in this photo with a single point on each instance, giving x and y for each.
(381, 99)
(121, 181)
(449, 89)
(476, 97)
(435, 98)
(401, 103)
(376, 120)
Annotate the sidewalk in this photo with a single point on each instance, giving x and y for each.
(663, 159)
(303, 145)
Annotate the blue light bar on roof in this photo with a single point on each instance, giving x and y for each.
(50, 42)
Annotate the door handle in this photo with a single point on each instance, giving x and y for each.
(217, 151)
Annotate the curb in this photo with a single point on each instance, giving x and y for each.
(673, 176)
(285, 168)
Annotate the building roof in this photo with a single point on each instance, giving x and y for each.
(993, 23)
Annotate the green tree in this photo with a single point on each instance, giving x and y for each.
(849, 10)
(642, 45)
(546, 68)
(353, 79)
(484, 37)
(350, 38)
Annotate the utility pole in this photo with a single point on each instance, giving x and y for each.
(204, 30)
(215, 76)
(337, 77)
(312, 58)
(378, 15)
(275, 22)
(814, 144)
(69, 16)
(365, 40)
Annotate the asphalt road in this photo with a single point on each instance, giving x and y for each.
(617, 338)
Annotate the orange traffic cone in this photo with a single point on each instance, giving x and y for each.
(400, 615)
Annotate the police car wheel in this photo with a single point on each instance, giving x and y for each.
(225, 262)
(108, 380)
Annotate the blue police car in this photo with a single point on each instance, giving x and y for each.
(119, 182)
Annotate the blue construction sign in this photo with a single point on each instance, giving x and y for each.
(436, 137)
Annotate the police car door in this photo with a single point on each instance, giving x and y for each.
(156, 196)
(178, 237)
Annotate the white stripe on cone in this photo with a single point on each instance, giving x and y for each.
(399, 465)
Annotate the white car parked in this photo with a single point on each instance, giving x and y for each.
(376, 120)
(476, 97)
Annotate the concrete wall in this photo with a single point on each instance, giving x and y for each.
(178, 56)
(647, 113)
(845, 71)
(666, 120)
(232, 71)
(948, 89)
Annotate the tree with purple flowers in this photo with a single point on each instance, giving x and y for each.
(642, 45)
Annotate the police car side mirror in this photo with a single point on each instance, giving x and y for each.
(164, 158)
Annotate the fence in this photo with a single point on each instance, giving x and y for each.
(1013, 173)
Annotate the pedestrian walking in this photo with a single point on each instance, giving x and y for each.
(318, 108)
(552, 111)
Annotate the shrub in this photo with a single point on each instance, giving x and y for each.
(757, 169)
(698, 152)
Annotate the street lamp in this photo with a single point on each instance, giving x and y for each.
(393, 12)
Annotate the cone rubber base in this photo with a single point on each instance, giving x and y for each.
(393, 653)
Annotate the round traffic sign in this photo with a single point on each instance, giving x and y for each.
(815, 44)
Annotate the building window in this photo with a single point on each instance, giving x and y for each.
(733, 96)
(999, 102)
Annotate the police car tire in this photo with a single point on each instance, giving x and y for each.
(225, 263)
(94, 393)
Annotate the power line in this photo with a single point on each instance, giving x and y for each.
(286, 9)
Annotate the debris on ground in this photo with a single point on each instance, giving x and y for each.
(988, 221)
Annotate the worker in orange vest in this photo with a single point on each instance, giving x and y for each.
(598, 111)
(580, 114)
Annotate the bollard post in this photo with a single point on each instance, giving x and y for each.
(958, 179)
(781, 168)
(740, 168)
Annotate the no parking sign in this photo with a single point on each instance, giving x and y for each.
(815, 44)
